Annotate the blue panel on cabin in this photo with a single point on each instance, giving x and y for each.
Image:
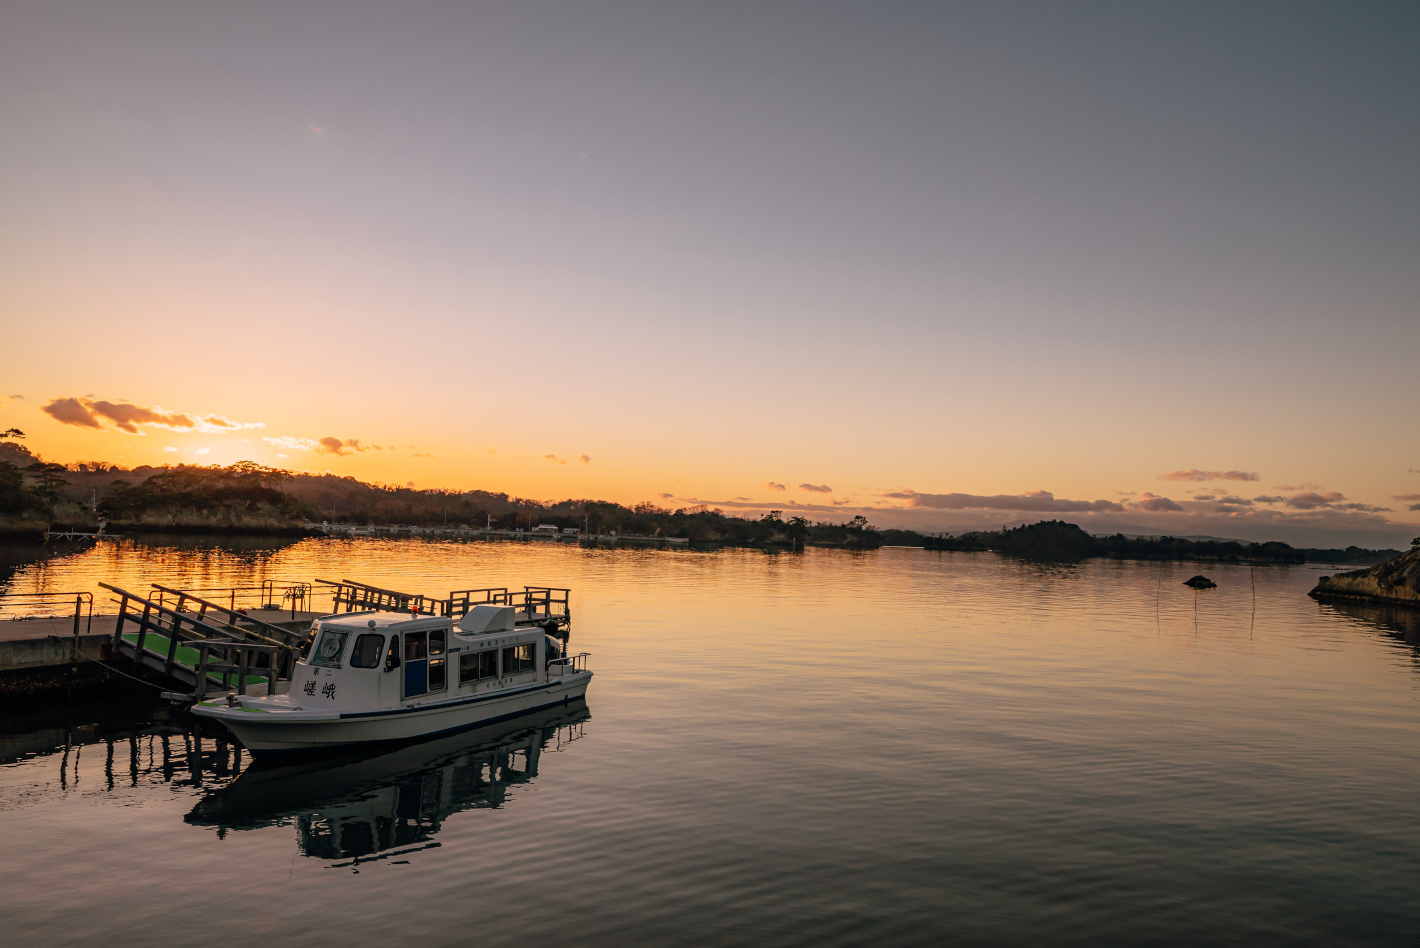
(416, 678)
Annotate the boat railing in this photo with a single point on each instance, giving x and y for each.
(535, 605)
(460, 601)
(577, 663)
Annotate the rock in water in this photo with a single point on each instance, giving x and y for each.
(1200, 582)
(1396, 580)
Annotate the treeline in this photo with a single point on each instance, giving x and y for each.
(250, 497)
(1060, 541)
(29, 488)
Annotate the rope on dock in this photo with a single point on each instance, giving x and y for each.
(74, 655)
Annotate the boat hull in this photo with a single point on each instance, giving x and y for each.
(277, 732)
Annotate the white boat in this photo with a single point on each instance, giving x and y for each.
(379, 676)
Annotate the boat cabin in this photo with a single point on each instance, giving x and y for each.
(379, 660)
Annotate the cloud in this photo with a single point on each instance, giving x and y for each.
(1413, 507)
(127, 417)
(170, 449)
(1037, 501)
(290, 443)
(1329, 500)
(840, 503)
(71, 411)
(333, 445)
(1269, 499)
(1235, 501)
(1154, 503)
(7, 399)
(1312, 500)
(553, 459)
(203, 451)
(774, 485)
(816, 488)
(316, 129)
(1193, 474)
(1304, 485)
(1405, 496)
(424, 454)
(664, 496)
(585, 458)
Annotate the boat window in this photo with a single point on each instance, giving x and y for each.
(331, 647)
(367, 650)
(476, 666)
(517, 658)
(392, 656)
(436, 642)
(438, 674)
(415, 644)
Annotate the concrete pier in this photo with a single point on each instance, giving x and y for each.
(39, 655)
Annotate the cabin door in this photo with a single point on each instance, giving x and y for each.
(416, 664)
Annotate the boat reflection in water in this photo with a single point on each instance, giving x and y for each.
(381, 803)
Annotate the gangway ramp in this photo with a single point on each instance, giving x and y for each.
(212, 649)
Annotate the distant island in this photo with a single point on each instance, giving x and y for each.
(246, 497)
(1059, 541)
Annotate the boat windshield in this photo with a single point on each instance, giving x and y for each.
(330, 648)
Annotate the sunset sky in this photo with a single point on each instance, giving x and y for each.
(946, 264)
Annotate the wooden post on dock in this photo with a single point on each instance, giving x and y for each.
(78, 608)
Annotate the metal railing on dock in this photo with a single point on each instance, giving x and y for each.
(83, 610)
(82, 604)
(270, 594)
(193, 650)
(237, 621)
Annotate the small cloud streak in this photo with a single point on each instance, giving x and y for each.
(332, 445)
(1329, 500)
(290, 443)
(585, 459)
(553, 459)
(203, 451)
(1405, 497)
(1153, 503)
(1193, 474)
(1312, 500)
(816, 488)
(128, 418)
(1036, 501)
(774, 485)
(664, 496)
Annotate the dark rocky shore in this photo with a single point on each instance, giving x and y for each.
(1394, 581)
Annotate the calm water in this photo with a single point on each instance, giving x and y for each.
(896, 747)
